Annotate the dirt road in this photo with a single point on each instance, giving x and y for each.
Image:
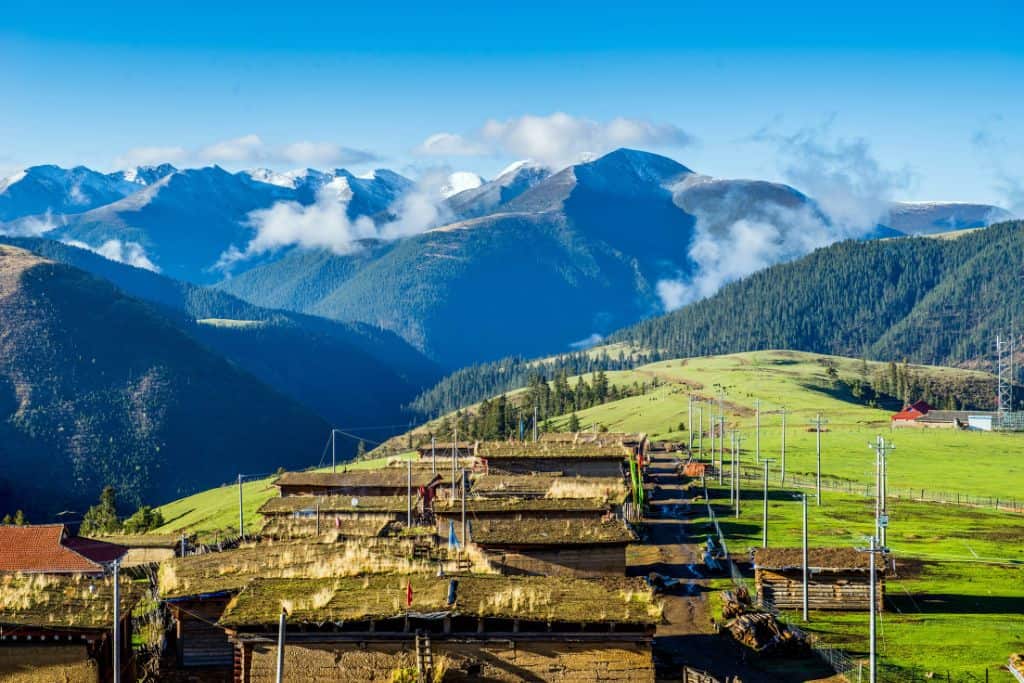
(675, 550)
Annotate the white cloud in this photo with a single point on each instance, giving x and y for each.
(248, 150)
(131, 253)
(738, 233)
(151, 156)
(555, 140)
(325, 224)
(996, 148)
(33, 226)
(593, 339)
(849, 184)
(306, 153)
(450, 145)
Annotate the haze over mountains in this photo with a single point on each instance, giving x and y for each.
(531, 262)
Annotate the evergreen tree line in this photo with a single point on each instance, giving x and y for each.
(475, 383)
(507, 417)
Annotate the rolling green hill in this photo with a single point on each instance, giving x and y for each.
(97, 387)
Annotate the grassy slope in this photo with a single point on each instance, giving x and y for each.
(956, 614)
(214, 512)
(975, 463)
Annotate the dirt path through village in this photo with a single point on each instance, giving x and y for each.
(687, 636)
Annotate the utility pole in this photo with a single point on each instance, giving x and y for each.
(689, 420)
(700, 428)
(721, 446)
(737, 462)
(464, 537)
(818, 423)
(117, 620)
(334, 440)
(764, 522)
(535, 423)
(713, 424)
(408, 494)
(805, 558)
(881, 512)
(280, 646)
(873, 549)
(433, 455)
(455, 449)
(782, 475)
(241, 513)
(732, 466)
(757, 431)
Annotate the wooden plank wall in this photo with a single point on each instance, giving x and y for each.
(840, 591)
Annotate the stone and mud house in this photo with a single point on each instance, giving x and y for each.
(839, 578)
(197, 588)
(586, 460)
(476, 627)
(554, 547)
(59, 627)
(388, 481)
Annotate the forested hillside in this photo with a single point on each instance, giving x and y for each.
(928, 300)
(936, 300)
(325, 364)
(99, 388)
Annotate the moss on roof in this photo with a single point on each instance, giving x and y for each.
(283, 528)
(819, 559)
(543, 532)
(510, 504)
(391, 477)
(517, 449)
(537, 484)
(231, 570)
(62, 602)
(534, 598)
(143, 540)
(347, 503)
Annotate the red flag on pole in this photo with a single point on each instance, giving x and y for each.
(408, 594)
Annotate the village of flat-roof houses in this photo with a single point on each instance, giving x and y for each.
(495, 561)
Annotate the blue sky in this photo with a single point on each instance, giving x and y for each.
(934, 92)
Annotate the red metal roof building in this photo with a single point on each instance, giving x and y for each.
(912, 412)
(51, 549)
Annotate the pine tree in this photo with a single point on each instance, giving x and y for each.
(19, 518)
(574, 422)
(360, 449)
(102, 517)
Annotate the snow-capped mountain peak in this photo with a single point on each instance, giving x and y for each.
(459, 181)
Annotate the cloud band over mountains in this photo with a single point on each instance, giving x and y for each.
(555, 140)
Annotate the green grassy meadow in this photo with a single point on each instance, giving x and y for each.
(958, 602)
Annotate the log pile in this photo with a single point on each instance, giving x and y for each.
(760, 631)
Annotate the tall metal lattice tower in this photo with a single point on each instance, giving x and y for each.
(1004, 371)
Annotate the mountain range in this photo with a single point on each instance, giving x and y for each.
(529, 262)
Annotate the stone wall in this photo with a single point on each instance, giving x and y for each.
(546, 660)
(24, 663)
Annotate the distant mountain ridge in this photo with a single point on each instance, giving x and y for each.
(570, 255)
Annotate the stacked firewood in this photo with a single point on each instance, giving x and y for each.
(760, 631)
